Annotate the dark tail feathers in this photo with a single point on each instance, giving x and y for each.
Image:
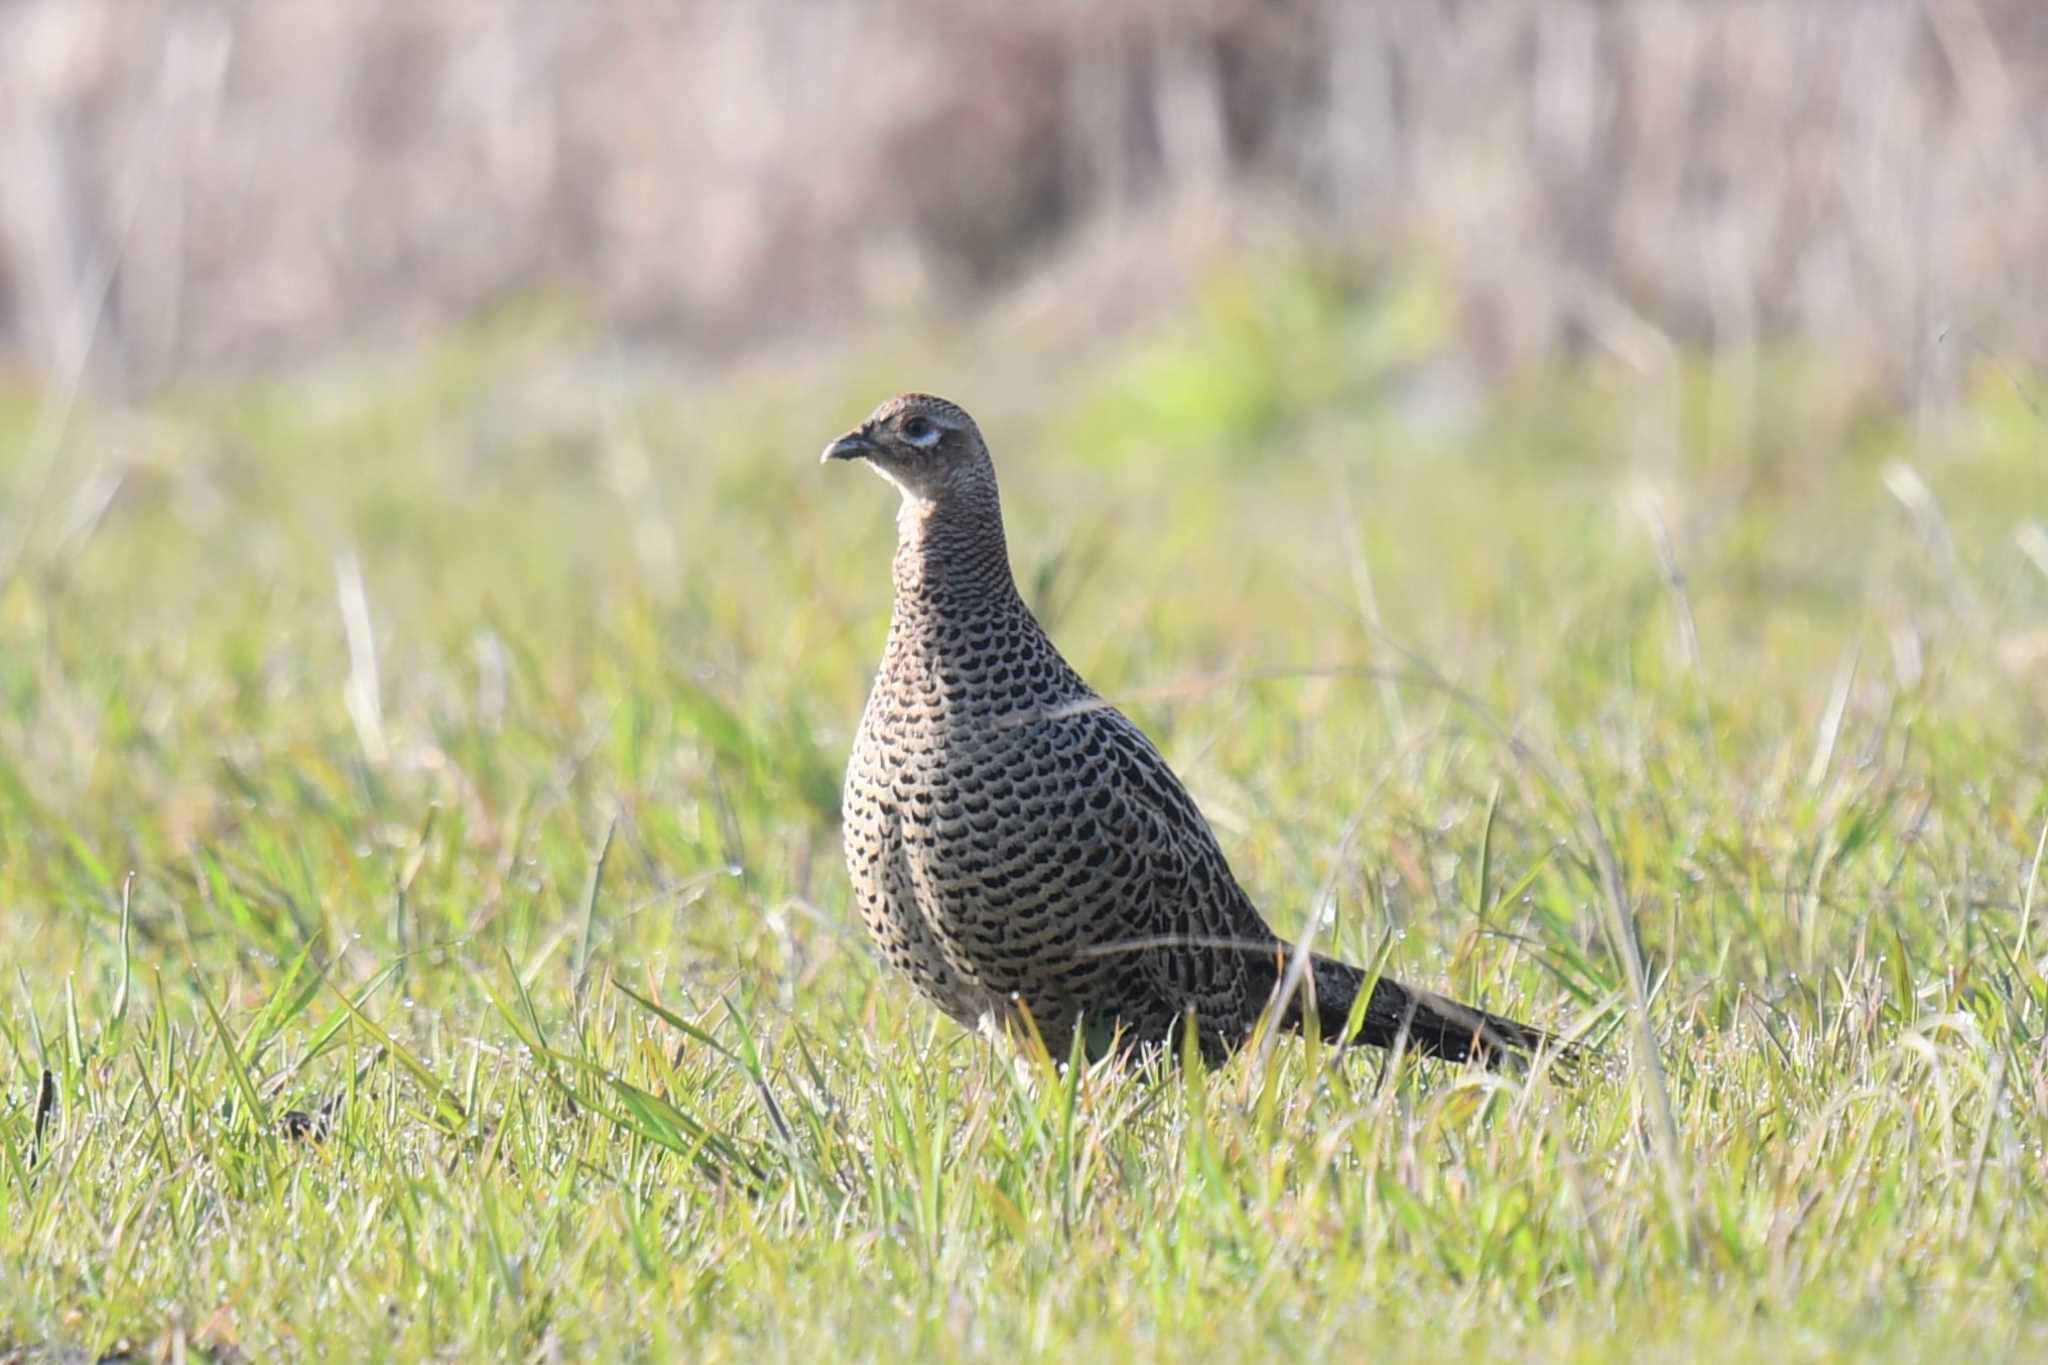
(1432, 1024)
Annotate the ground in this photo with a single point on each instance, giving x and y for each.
(419, 871)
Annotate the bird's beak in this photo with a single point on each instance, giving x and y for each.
(854, 445)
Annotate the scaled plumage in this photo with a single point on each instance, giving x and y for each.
(1019, 849)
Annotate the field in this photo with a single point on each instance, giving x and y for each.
(420, 888)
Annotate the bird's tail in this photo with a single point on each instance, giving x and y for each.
(1398, 1015)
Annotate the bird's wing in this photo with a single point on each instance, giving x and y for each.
(1176, 904)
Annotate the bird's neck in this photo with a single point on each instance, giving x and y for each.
(951, 559)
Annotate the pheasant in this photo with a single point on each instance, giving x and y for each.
(1017, 846)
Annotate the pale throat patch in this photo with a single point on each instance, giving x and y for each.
(914, 511)
(910, 495)
(917, 502)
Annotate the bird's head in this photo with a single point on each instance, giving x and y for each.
(924, 445)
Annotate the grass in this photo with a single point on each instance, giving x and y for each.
(419, 874)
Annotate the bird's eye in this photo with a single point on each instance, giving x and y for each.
(920, 431)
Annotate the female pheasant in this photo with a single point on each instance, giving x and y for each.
(1017, 846)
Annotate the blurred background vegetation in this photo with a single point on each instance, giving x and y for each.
(206, 184)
